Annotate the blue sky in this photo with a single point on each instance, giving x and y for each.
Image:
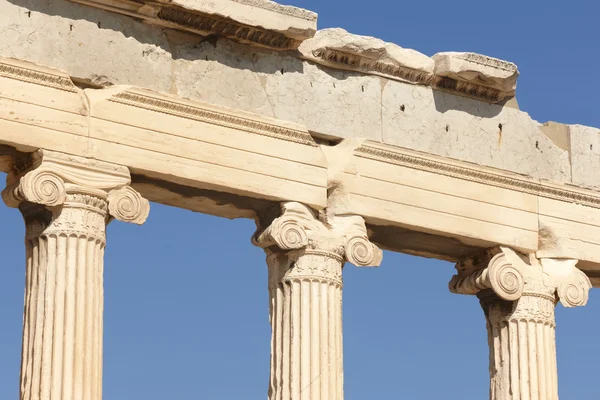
(186, 308)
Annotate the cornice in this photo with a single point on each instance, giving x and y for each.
(36, 76)
(206, 24)
(353, 62)
(470, 172)
(262, 23)
(345, 60)
(212, 116)
(469, 89)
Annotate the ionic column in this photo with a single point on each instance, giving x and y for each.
(66, 203)
(305, 257)
(518, 296)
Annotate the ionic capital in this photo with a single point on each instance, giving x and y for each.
(511, 275)
(299, 228)
(55, 179)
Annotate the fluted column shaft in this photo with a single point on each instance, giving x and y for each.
(518, 295)
(62, 330)
(521, 337)
(306, 318)
(66, 203)
(305, 255)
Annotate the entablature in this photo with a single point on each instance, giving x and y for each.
(233, 163)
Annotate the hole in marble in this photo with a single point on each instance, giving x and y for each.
(591, 147)
(281, 71)
(28, 14)
(447, 128)
(500, 127)
(362, 88)
(333, 84)
(537, 144)
(402, 108)
(71, 27)
(99, 25)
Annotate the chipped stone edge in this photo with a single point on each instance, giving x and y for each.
(334, 58)
(484, 175)
(167, 15)
(281, 9)
(166, 104)
(197, 22)
(353, 62)
(20, 71)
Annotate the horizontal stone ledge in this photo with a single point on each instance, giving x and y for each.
(257, 22)
(466, 74)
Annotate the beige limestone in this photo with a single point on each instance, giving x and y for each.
(66, 202)
(476, 74)
(518, 295)
(305, 256)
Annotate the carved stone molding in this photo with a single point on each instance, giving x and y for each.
(476, 75)
(300, 228)
(512, 275)
(305, 256)
(23, 71)
(262, 23)
(518, 295)
(214, 116)
(488, 176)
(66, 202)
(206, 24)
(53, 179)
(339, 49)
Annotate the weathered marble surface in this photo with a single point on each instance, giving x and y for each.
(337, 48)
(585, 155)
(291, 21)
(328, 102)
(478, 73)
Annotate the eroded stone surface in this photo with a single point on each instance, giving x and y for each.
(292, 21)
(585, 155)
(339, 49)
(478, 73)
(328, 102)
(87, 43)
(458, 127)
(518, 294)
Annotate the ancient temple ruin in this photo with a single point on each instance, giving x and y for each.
(338, 145)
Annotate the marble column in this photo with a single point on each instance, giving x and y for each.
(66, 203)
(305, 256)
(518, 295)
